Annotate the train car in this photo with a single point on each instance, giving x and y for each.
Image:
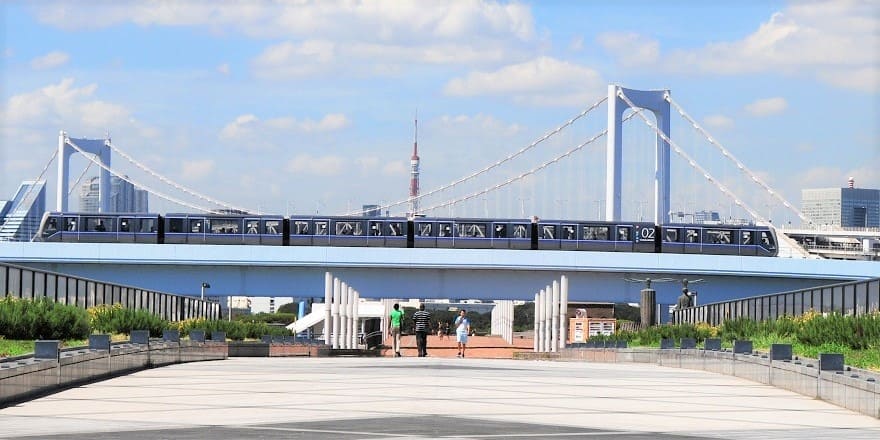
(749, 240)
(73, 227)
(224, 229)
(471, 233)
(596, 236)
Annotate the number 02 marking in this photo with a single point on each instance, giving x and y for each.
(647, 233)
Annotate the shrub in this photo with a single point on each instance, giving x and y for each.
(41, 319)
(116, 319)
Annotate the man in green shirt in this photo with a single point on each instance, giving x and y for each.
(394, 328)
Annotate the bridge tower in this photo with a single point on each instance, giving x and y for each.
(655, 101)
(98, 147)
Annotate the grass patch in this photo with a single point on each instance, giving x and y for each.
(9, 348)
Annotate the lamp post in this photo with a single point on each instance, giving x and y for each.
(205, 286)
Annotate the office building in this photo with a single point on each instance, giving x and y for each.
(124, 197)
(849, 207)
(20, 217)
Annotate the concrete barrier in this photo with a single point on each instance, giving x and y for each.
(52, 369)
(851, 388)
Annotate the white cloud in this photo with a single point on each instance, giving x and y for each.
(223, 68)
(718, 121)
(767, 107)
(50, 60)
(330, 165)
(631, 49)
(487, 124)
(395, 168)
(249, 126)
(833, 41)
(197, 169)
(542, 81)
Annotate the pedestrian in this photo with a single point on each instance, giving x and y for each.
(462, 329)
(394, 328)
(422, 321)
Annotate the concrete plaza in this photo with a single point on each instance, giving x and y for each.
(394, 398)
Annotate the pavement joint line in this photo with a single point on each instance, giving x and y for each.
(322, 431)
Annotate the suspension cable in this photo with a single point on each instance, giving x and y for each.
(525, 174)
(175, 184)
(494, 165)
(691, 161)
(132, 181)
(40, 176)
(73, 187)
(742, 167)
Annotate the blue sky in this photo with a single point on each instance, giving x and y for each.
(309, 106)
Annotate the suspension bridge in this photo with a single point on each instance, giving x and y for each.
(556, 175)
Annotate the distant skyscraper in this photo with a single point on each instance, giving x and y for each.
(414, 173)
(124, 197)
(847, 207)
(20, 217)
(371, 210)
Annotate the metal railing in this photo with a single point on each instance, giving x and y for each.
(850, 298)
(28, 283)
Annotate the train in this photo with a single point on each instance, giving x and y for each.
(402, 232)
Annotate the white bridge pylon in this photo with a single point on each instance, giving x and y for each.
(100, 148)
(655, 101)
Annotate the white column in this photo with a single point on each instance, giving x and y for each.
(343, 312)
(539, 311)
(328, 300)
(554, 309)
(355, 318)
(548, 318)
(563, 311)
(536, 313)
(350, 321)
(337, 292)
(63, 174)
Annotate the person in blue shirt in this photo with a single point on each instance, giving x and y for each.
(462, 330)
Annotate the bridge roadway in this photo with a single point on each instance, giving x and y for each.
(411, 397)
(427, 273)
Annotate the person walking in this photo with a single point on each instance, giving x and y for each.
(422, 321)
(462, 329)
(394, 328)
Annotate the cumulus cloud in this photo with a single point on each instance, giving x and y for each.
(542, 81)
(50, 61)
(329, 165)
(718, 121)
(197, 169)
(631, 49)
(767, 107)
(833, 41)
(249, 125)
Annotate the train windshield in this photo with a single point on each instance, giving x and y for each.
(767, 240)
(51, 226)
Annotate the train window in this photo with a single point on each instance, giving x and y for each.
(445, 230)
(520, 231)
(425, 229)
(272, 227)
(149, 225)
(499, 230)
(718, 236)
(692, 236)
(349, 228)
(175, 225)
(98, 224)
(252, 226)
(595, 232)
(70, 224)
(395, 229)
(196, 226)
(476, 230)
(623, 233)
(51, 227)
(321, 227)
(548, 232)
(671, 235)
(301, 227)
(375, 229)
(767, 240)
(125, 225)
(747, 238)
(225, 226)
(569, 232)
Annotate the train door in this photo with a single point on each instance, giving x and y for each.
(300, 232)
(425, 234)
(568, 237)
(520, 235)
(195, 230)
(624, 236)
(499, 230)
(395, 232)
(175, 229)
(548, 235)
(321, 236)
(746, 242)
(71, 228)
(672, 240)
(127, 229)
(271, 231)
(145, 229)
(445, 234)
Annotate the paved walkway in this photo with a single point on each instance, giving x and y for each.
(394, 398)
